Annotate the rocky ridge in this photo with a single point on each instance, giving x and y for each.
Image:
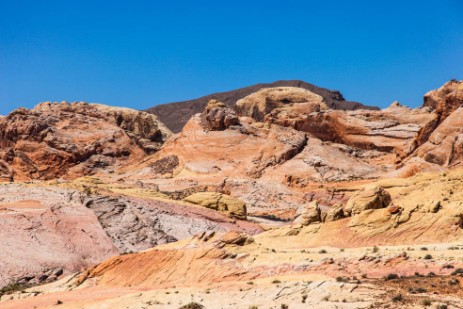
(176, 115)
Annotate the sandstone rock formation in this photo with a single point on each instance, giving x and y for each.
(446, 99)
(74, 139)
(246, 204)
(375, 198)
(309, 214)
(280, 100)
(217, 116)
(220, 202)
(45, 229)
(289, 139)
(176, 115)
(338, 252)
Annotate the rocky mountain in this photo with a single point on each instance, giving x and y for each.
(175, 115)
(279, 198)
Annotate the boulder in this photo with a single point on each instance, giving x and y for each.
(308, 214)
(218, 117)
(235, 238)
(220, 202)
(375, 198)
(280, 99)
(336, 212)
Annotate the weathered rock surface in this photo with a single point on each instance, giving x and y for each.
(176, 115)
(375, 198)
(217, 116)
(50, 228)
(220, 202)
(331, 254)
(280, 100)
(444, 146)
(43, 229)
(446, 99)
(330, 187)
(308, 214)
(390, 131)
(74, 139)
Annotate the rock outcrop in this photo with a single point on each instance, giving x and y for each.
(446, 99)
(220, 202)
(280, 100)
(176, 115)
(74, 139)
(374, 198)
(328, 196)
(308, 214)
(289, 138)
(47, 228)
(218, 117)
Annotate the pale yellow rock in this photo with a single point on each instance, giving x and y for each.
(220, 202)
(369, 199)
(262, 102)
(335, 213)
(309, 214)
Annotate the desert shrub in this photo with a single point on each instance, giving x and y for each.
(304, 298)
(426, 302)
(457, 271)
(391, 277)
(375, 249)
(12, 288)
(322, 251)
(192, 305)
(428, 257)
(397, 298)
(342, 279)
(276, 281)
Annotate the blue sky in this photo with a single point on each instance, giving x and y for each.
(141, 53)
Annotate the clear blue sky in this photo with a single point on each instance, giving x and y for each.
(140, 53)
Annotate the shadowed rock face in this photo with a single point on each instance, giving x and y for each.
(176, 115)
(74, 139)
